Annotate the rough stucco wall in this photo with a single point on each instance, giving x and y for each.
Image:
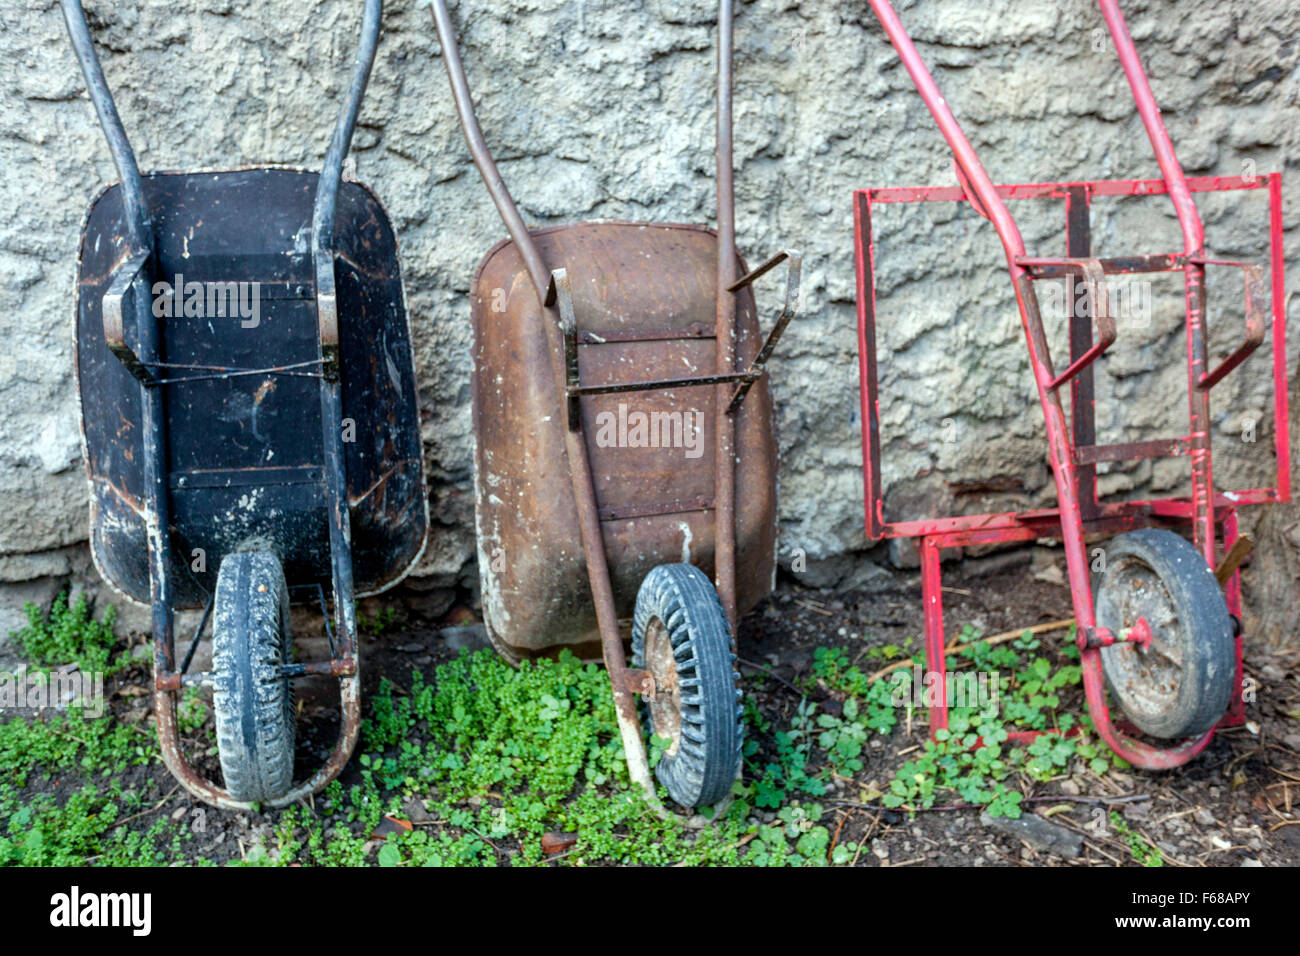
(602, 109)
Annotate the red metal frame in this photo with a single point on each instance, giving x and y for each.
(1072, 450)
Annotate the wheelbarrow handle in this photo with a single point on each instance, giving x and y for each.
(482, 155)
(327, 190)
(137, 210)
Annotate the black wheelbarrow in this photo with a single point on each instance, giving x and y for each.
(607, 479)
(250, 419)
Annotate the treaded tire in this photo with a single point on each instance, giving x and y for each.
(680, 635)
(252, 703)
(1181, 686)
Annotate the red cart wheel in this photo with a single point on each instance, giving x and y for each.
(680, 635)
(1180, 683)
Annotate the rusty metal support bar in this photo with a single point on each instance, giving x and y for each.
(1062, 266)
(1253, 275)
(1083, 390)
(1237, 553)
(334, 667)
(753, 275)
(1094, 279)
(198, 632)
(660, 384)
(1129, 451)
(788, 311)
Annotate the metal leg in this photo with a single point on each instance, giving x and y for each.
(1198, 401)
(1083, 409)
(936, 677)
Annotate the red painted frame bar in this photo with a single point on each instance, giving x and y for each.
(878, 528)
(1095, 188)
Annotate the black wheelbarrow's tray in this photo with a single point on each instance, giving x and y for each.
(245, 457)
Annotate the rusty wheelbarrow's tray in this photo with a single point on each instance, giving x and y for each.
(651, 452)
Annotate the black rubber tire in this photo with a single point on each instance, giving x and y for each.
(252, 703)
(678, 603)
(1181, 686)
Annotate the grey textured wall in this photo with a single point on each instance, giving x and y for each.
(603, 109)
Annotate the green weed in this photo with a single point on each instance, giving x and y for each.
(1143, 852)
(496, 757)
(69, 635)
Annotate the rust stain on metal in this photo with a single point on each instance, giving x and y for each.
(653, 502)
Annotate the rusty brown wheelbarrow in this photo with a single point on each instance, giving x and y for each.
(581, 336)
(251, 426)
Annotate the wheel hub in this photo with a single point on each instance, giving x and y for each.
(666, 706)
(1149, 674)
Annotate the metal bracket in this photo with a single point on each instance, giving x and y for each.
(560, 295)
(111, 306)
(1094, 278)
(1253, 275)
(327, 315)
(639, 682)
(788, 311)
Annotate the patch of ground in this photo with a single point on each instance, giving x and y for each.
(1230, 806)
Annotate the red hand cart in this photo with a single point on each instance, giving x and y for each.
(1163, 633)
